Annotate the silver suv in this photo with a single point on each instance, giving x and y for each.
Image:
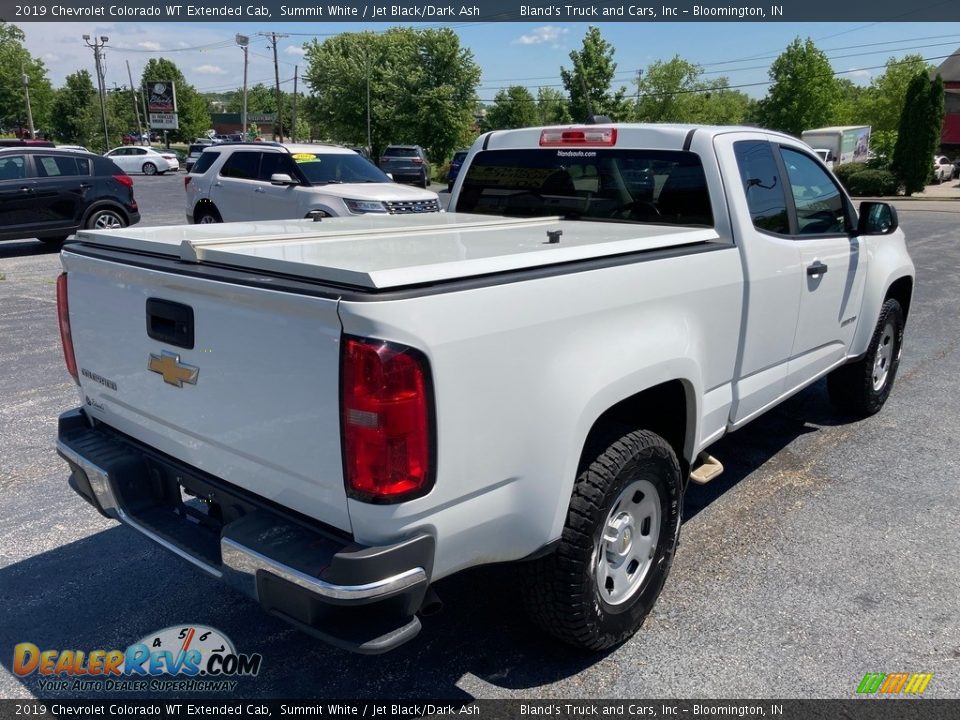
(233, 182)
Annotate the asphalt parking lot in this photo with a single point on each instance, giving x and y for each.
(827, 549)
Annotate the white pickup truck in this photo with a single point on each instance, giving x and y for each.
(333, 416)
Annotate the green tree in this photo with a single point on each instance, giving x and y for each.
(16, 60)
(70, 116)
(675, 91)
(552, 107)
(935, 120)
(422, 88)
(588, 82)
(513, 107)
(913, 152)
(882, 103)
(263, 99)
(194, 117)
(804, 93)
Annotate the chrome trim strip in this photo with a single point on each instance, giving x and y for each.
(247, 562)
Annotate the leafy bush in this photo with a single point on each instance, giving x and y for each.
(861, 181)
(846, 171)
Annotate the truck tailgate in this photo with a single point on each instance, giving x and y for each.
(262, 411)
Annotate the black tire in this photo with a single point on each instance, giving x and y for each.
(449, 187)
(149, 168)
(106, 219)
(206, 215)
(857, 388)
(54, 241)
(426, 182)
(562, 591)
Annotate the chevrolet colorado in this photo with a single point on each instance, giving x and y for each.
(331, 416)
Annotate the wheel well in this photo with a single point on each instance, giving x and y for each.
(104, 205)
(902, 291)
(205, 204)
(661, 409)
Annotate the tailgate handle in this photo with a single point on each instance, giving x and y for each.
(170, 322)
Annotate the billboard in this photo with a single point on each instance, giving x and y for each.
(164, 121)
(161, 96)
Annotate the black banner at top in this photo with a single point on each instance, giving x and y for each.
(405, 12)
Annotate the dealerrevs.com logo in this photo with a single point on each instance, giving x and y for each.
(178, 658)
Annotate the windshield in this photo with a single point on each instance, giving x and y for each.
(322, 168)
(641, 186)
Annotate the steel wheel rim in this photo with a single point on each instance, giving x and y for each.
(207, 220)
(628, 542)
(884, 359)
(107, 221)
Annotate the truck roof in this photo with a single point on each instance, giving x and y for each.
(386, 252)
(669, 136)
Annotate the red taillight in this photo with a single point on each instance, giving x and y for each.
(63, 316)
(586, 137)
(387, 421)
(124, 180)
(417, 161)
(169, 157)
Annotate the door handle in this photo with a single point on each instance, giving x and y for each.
(817, 268)
(85, 186)
(259, 190)
(218, 184)
(26, 190)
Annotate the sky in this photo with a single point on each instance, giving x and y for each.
(528, 54)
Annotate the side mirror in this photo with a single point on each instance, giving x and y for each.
(877, 218)
(282, 179)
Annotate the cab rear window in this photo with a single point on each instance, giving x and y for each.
(608, 184)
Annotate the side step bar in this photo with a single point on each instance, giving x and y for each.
(707, 468)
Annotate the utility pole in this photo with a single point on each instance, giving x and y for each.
(277, 125)
(97, 47)
(366, 49)
(293, 120)
(244, 42)
(136, 108)
(26, 91)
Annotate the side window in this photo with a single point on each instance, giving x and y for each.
(276, 162)
(59, 166)
(820, 206)
(241, 165)
(204, 162)
(762, 186)
(12, 167)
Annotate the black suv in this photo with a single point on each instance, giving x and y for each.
(49, 194)
(406, 163)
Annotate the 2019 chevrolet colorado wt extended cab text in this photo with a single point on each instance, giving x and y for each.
(333, 416)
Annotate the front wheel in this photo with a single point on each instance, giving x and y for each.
(862, 387)
(149, 169)
(597, 587)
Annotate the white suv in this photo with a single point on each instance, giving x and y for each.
(267, 181)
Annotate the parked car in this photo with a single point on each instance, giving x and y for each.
(942, 168)
(455, 164)
(134, 159)
(270, 181)
(49, 193)
(12, 142)
(193, 153)
(406, 163)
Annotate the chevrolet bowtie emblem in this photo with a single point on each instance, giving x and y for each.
(174, 372)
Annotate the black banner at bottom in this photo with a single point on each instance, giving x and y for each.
(859, 709)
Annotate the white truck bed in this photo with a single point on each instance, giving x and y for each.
(390, 252)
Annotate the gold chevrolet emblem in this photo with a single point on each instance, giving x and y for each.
(174, 372)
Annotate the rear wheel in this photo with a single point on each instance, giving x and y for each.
(206, 216)
(106, 219)
(149, 169)
(862, 387)
(599, 584)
